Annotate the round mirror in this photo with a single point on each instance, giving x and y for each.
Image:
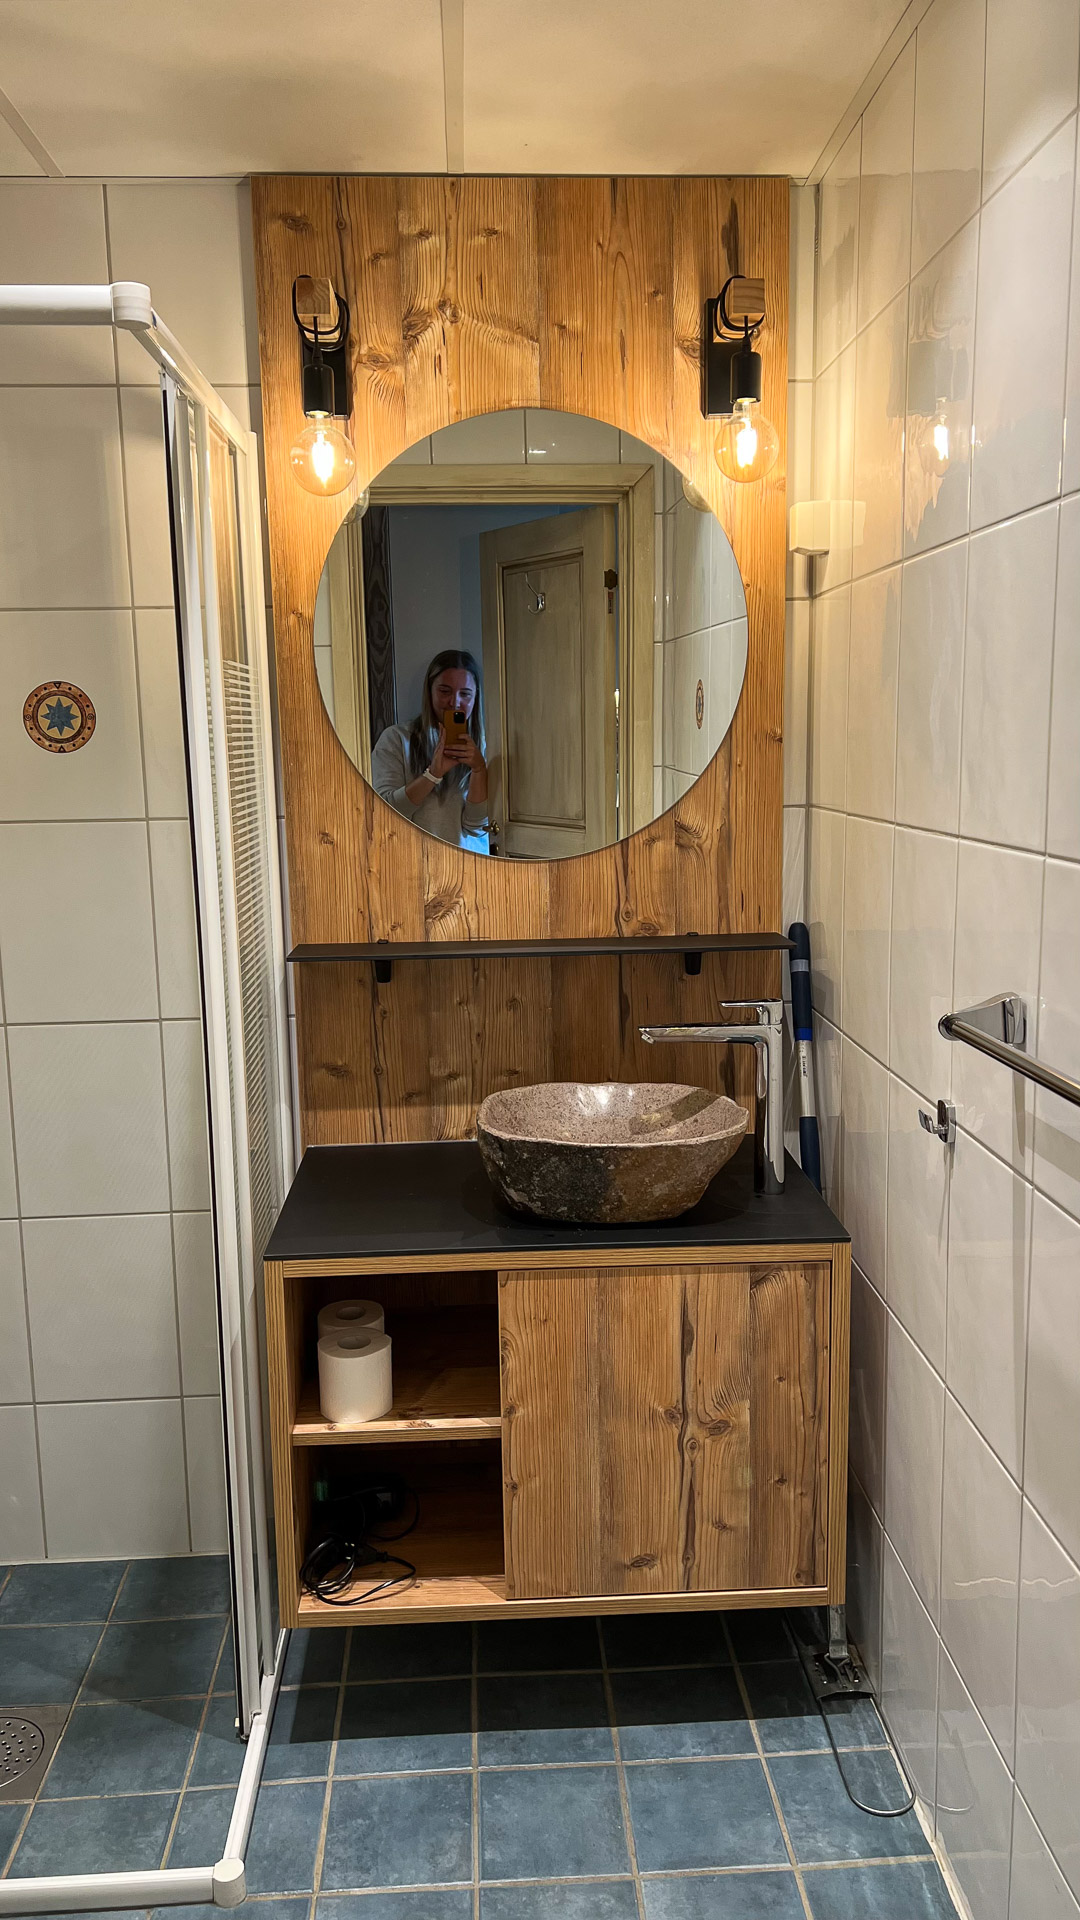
(531, 639)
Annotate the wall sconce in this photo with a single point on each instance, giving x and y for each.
(322, 458)
(748, 443)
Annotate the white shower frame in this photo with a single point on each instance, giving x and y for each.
(127, 304)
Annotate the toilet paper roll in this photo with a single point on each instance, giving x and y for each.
(355, 1381)
(348, 1316)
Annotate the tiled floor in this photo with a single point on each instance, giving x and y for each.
(645, 1767)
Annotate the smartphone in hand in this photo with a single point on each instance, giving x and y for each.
(455, 728)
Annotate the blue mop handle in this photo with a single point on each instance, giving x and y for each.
(802, 1017)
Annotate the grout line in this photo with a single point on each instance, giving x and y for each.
(624, 1795)
(474, 1715)
(331, 1769)
(770, 1783)
(196, 1744)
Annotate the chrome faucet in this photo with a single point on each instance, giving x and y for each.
(766, 1033)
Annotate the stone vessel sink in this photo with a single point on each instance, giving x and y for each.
(606, 1154)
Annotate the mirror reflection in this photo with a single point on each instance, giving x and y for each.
(531, 640)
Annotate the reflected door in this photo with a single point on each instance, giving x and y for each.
(549, 634)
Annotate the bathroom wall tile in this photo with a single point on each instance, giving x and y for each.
(989, 1231)
(838, 241)
(803, 225)
(1007, 666)
(113, 1474)
(567, 438)
(868, 1379)
(1038, 1889)
(21, 1535)
(918, 1226)
(185, 1100)
(76, 926)
(980, 1573)
(1030, 81)
(1063, 807)
(185, 238)
(162, 722)
(726, 597)
(793, 892)
(941, 343)
(885, 190)
(948, 123)
(690, 745)
(800, 476)
(60, 457)
(9, 1205)
(143, 430)
(1053, 1372)
(864, 1107)
(104, 779)
(174, 919)
(921, 959)
(829, 644)
(675, 785)
(1024, 242)
(488, 436)
(1070, 468)
(89, 1118)
(880, 408)
(796, 701)
(1057, 1123)
(872, 669)
(206, 1475)
(867, 912)
(196, 1298)
(834, 458)
(1048, 1693)
(909, 1663)
(53, 231)
(974, 1799)
(102, 1307)
(826, 843)
(690, 570)
(668, 625)
(930, 689)
(998, 913)
(865, 1547)
(914, 1430)
(15, 1383)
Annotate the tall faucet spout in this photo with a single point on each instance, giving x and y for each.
(765, 1032)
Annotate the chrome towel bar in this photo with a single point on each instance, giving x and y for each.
(999, 1028)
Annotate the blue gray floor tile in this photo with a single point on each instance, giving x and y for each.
(589, 1900)
(399, 1832)
(150, 1659)
(910, 1890)
(711, 1813)
(559, 1821)
(123, 1835)
(727, 1896)
(542, 1717)
(45, 1665)
(823, 1822)
(300, 1737)
(285, 1838)
(409, 1653)
(446, 1903)
(406, 1726)
(56, 1591)
(201, 1829)
(124, 1748)
(680, 1713)
(170, 1589)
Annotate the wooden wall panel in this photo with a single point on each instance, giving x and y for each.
(468, 295)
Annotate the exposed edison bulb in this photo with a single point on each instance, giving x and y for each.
(934, 444)
(748, 444)
(322, 458)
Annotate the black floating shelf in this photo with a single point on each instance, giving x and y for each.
(383, 953)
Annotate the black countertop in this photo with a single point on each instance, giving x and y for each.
(434, 1197)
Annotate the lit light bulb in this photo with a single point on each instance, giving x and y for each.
(748, 444)
(934, 446)
(322, 458)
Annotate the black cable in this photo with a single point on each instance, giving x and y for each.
(333, 1563)
(856, 1693)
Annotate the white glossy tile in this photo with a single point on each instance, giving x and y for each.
(691, 569)
(974, 1799)
(147, 497)
(21, 1535)
(53, 231)
(162, 722)
(15, 1383)
(1017, 424)
(89, 1118)
(864, 1108)
(921, 959)
(800, 476)
(880, 407)
(196, 1296)
(909, 1662)
(1057, 1122)
(867, 915)
(206, 1475)
(868, 1367)
(980, 1573)
(174, 919)
(828, 1043)
(113, 1475)
(918, 1226)
(675, 785)
(185, 1099)
(941, 342)
(60, 458)
(989, 1231)
(998, 913)
(838, 245)
(914, 1432)
(948, 123)
(826, 842)
(102, 1307)
(76, 926)
(1053, 1372)
(872, 671)
(796, 701)
(569, 438)
(865, 1548)
(103, 779)
(885, 190)
(1038, 1889)
(834, 464)
(930, 689)
(490, 436)
(793, 893)
(829, 655)
(803, 226)
(1048, 1693)
(1030, 80)
(185, 238)
(690, 740)
(725, 598)
(1008, 655)
(1063, 804)
(9, 1205)
(1070, 468)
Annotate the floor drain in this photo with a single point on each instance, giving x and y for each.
(22, 1744)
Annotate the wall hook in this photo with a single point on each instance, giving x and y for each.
(539, 597)
(942, 1123)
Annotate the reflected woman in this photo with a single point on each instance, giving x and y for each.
(440, 784)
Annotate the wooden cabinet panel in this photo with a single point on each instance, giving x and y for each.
(665, 1430)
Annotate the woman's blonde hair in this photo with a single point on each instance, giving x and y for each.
(424, 730)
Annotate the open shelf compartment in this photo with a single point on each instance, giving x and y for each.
(446, 1383)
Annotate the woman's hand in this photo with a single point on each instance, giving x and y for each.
(465, 754)
(444, 757)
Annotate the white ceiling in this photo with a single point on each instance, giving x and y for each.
(198, 87)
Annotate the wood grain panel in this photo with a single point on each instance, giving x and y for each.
(789, 1422)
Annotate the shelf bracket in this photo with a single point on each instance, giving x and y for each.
(384, 972)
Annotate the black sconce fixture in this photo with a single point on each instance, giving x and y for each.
(748, 443)
(322, 458)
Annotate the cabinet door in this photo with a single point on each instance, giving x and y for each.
(665, 1430)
